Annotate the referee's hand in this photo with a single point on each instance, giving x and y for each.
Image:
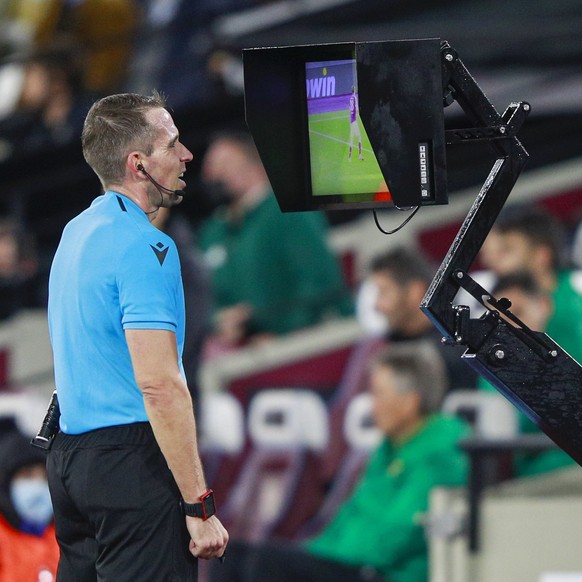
(208, 539)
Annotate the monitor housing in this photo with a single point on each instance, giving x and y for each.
(305, 105)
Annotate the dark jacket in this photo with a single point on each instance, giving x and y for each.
(15, 452)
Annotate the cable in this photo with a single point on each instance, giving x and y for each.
(408, 219)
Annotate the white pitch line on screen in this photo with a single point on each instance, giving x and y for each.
(328, 119)
(338, 140)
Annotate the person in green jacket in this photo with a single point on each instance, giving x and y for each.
(272, 273)
(534, 307)
(531, 239)
(377, 534)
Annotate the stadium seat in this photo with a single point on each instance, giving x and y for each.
(221, 423)
(489, 413)
(361, 436)
(360, 432)
(278, 487)
(222, 440)
(354, 381)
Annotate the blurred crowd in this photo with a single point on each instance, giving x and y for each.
(253, 276)
(57, 56)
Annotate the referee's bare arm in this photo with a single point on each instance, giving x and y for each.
(169, 408)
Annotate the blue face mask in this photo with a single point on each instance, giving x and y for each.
(32, 500)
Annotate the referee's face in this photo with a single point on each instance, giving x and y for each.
(167, 163)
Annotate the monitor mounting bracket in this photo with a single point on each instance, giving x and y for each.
(527, 367)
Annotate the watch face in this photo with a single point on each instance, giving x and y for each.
(208, 505)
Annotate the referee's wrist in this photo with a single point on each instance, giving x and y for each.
(203, 508)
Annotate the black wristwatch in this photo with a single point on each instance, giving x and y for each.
(205, 509)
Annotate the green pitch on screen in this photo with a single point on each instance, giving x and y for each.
(331, 172)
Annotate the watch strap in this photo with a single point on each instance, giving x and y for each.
(203, 509)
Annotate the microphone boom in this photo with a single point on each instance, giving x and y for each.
(159, 186)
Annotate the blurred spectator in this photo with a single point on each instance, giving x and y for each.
(197, 295)
(19, 285)
(102, 32)
(533, 240)
(376, 534)
(402, 278)
(25, 26)
(52, 105)
(534, 307)
(529, 238)
(272, 273)
(29, 23)
(105, 30)
(28, 547)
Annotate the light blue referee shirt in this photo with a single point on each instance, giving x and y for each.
(112, 271)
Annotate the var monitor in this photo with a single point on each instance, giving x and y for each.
(349, 125)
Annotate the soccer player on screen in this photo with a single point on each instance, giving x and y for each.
(354, 126)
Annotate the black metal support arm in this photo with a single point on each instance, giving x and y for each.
(528, 367)
(511, 158)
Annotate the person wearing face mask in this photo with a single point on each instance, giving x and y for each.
(272, 273)
(28, 547)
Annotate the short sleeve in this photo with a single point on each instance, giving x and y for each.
(148, 279)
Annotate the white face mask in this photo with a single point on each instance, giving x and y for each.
(32, 500)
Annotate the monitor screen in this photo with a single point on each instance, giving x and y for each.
(349, 125)
(341, 157)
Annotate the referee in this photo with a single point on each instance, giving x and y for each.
(126, 480)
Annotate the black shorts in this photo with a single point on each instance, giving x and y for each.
(117, 512)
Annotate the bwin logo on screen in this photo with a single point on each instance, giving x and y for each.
(320, 87)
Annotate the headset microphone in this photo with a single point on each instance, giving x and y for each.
(140, 168)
